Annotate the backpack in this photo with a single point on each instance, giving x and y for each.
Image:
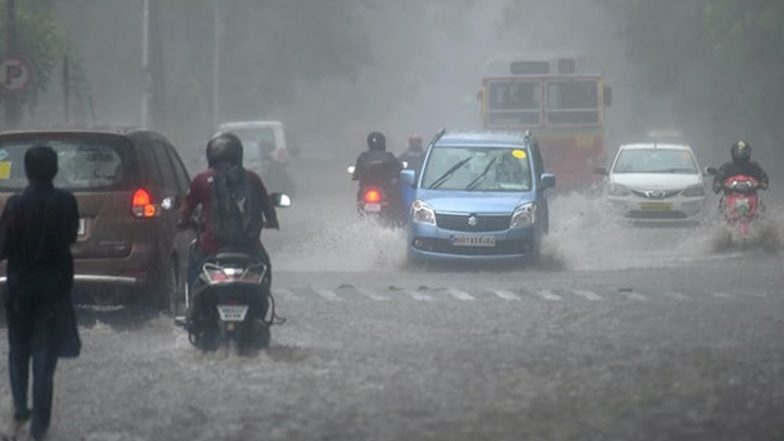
(236, 208)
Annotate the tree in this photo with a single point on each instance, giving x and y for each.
(40, 41)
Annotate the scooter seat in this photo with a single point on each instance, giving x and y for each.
(232, 256)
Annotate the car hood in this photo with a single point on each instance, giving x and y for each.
(474, 201)
(656, 181)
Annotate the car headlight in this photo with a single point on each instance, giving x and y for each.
(694, 191)
(618, 190)
(524, 216)
(422, 213)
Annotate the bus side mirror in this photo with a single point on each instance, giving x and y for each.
(608, 96)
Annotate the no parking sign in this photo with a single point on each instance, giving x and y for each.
(15, 74)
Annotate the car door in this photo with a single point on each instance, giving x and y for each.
(544, 206)
(166, 192)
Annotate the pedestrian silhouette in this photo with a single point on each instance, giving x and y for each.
(37, 230)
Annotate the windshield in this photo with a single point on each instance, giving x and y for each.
(83, 164)
(573, 102)
(478, 169)
(656, 161)
(257, 142)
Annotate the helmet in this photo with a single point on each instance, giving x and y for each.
(376, 141)
(741, 151)
(415, 142)
(224, 147)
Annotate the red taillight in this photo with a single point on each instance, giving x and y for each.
(373, 196)
(142, 205)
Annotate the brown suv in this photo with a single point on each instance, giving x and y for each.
(129, 184)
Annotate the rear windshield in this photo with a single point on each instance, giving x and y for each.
(85, 164)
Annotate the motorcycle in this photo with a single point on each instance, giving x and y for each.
(230, 302)
(374, 203)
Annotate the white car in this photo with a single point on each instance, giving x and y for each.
(654, 182)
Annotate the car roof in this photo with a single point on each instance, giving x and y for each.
(655, 145)
(130, 132)
(483, 138)
(251, 125)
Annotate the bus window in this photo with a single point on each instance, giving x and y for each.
(572, 95)
(515, 95)
(573, 102)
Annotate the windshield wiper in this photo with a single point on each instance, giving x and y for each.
(445, 177)
(478, 180)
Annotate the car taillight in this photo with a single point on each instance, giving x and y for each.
(142, 205)
(373, 196)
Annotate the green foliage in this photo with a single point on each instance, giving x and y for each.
(725, 57)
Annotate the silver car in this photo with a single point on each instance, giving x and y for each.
(653, 182)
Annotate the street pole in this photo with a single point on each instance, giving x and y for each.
(11, 102)
(66, 90)
(216, 38)
(146, 95)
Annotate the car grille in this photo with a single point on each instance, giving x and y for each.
(656, 194)
(484, 222)
(444, 246)
(638, 214)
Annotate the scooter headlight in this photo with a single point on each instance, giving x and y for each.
(524, 216)
(422, 213)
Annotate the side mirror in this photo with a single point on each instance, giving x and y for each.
(711, 171)
(281, 200)
(350, 169)
(548, 181)
(408, 177)
(608, 96)
(600, 171)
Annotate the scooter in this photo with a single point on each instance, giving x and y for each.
(230, 304)
(373, 203)
(740, 205)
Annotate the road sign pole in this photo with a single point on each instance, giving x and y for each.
(11, 102)
(145, 117)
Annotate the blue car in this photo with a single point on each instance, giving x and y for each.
(481, 196)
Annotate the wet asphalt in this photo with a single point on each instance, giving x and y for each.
(622, 334)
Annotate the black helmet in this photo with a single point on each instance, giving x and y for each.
(376, 141)
(741, 151)
(224, 147)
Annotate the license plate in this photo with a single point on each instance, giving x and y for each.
(82, 227)
(656, 206)
(373, 208)
(474, 241)
(232, 313)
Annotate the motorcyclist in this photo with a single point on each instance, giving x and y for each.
(741, 164)
(224, 158)
(377, 167)
(414, 157)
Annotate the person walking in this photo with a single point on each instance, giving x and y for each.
(37, 230)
